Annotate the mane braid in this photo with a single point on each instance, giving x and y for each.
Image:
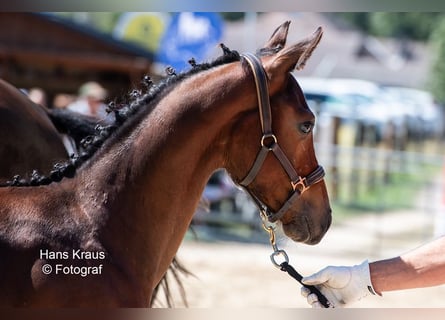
(122, 113)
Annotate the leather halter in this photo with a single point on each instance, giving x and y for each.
(269, 143)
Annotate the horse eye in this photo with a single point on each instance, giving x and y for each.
(306, 127)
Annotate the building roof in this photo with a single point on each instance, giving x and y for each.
(58, 55)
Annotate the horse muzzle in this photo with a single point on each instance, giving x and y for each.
(303, 228)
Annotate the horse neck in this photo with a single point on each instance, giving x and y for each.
(150, 184)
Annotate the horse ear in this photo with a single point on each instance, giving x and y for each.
(295, 56)
(278, 38)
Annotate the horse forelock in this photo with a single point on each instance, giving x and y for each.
(139, 103)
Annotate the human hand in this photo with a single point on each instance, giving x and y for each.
(340, 285)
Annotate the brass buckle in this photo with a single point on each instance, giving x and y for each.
(300, 185)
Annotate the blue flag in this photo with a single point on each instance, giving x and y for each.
(189, 35)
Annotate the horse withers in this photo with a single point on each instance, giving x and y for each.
(106, 235)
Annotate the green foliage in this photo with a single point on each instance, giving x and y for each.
(410, 25)
(232, 16)
(359, 20)
(437, 74)
(103, 21)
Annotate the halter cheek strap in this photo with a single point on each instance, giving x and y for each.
(269, 143)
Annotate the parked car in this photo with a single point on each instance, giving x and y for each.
(426, 117)
(221, 192)
(358, 100)
(223, 196)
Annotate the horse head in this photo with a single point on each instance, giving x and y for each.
(276, 161)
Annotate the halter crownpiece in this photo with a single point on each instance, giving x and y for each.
(269, 142)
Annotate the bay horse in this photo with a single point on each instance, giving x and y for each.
(102, 231)
(30, 141)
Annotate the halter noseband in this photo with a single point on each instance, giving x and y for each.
(269, 142)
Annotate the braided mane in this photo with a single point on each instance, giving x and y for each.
(140, 99)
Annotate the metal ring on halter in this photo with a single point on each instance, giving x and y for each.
(267, 136)
(300, 185)
(278, 253)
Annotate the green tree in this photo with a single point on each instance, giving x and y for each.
(102, 21)
(409, 25)
(232, 16)
(359, 20)
(437, 74)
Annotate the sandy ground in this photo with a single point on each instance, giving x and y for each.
(236, 274)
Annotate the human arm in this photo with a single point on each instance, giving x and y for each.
(421, 267)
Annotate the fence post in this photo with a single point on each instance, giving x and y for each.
(334, 169)
(389, 143)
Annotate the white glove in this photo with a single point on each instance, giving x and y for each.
(340, 285)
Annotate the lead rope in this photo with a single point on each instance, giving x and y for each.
(285, 266)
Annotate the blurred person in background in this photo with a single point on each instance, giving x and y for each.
(38, 96)
(63, 100)
(91, 101)
(344, 285)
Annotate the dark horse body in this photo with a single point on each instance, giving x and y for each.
(28, 139)
(127, 208)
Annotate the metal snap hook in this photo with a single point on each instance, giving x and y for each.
(275, 254)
